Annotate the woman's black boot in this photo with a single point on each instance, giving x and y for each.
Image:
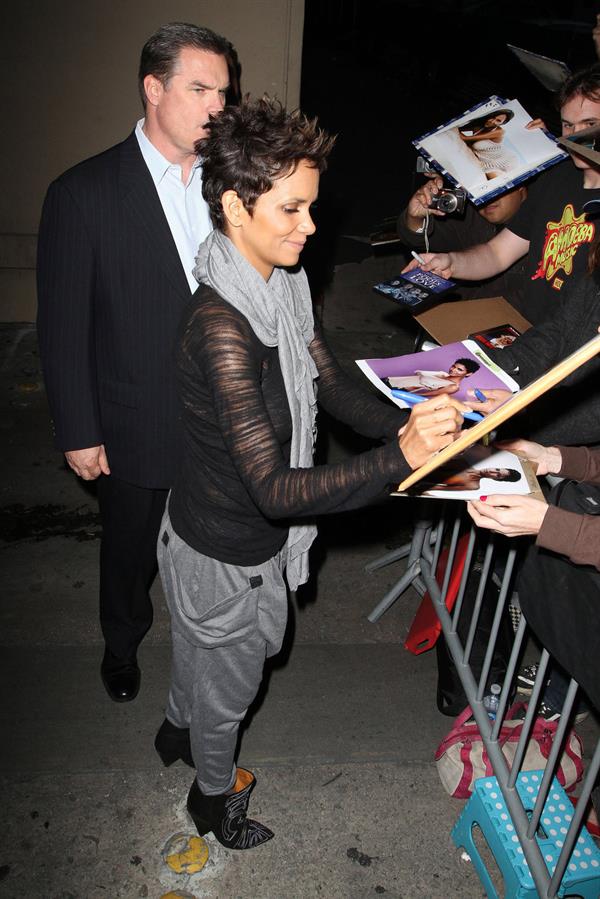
(225, 814)
(173, 743)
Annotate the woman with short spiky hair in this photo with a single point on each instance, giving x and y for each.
(241, 512)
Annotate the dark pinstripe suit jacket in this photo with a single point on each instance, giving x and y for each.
(111, 289)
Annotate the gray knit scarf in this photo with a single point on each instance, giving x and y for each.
(280, 314)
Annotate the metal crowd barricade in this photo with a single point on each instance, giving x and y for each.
(420, 548)
(538, 842)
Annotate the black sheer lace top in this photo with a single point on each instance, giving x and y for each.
(236, 495)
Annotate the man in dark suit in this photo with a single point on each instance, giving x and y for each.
(116, 249)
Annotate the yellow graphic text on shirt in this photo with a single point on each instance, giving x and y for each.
(562, 241)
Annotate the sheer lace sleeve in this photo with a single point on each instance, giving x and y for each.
(252, 419)
(347, 401)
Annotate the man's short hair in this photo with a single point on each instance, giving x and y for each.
(584, 83)
(252, 145)
(161, 52)
(469, 364)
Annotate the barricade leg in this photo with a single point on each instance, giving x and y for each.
(419, 548)
(537, 839)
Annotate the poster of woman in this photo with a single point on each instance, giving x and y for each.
(490, 148)
(458, 369)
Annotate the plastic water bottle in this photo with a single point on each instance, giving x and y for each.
(491, 701)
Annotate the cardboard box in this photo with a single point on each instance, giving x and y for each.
(456, 319)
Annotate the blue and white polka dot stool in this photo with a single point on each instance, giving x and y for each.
(486, 809)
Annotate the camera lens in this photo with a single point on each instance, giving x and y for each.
(447, 203)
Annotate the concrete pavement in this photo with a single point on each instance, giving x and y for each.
(341, 739)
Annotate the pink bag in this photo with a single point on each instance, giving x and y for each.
(461, 756)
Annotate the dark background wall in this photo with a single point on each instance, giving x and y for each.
(68, 76)
(381, 72)
(377, 72)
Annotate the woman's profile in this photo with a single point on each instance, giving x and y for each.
(484, 135)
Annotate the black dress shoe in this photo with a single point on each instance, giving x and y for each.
(173, 743)
(121, 677)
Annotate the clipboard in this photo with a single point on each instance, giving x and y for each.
(513, 405)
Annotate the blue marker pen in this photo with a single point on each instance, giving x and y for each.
(480, 395)
(413, 398)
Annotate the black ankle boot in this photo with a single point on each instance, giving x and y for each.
(173, 743)
(225, 815)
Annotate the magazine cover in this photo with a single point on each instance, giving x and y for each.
(478, 471)
(496, 338)
(488, 149)
(460, 369)
(416, 290)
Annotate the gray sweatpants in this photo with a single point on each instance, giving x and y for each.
(225, 620)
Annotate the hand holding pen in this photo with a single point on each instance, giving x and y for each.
(438, 263)
(413, 399)
(433, 424)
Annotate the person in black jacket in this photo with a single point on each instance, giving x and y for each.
(116, 250)
(252, 364)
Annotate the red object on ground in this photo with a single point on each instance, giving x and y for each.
(426, 626)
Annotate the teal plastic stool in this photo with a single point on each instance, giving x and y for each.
(487, 810)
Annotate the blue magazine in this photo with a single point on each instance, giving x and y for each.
(416, 290)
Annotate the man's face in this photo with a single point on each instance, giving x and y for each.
(502, 209)
(577, 114)
(177, 113)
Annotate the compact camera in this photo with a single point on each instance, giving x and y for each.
(449, 200)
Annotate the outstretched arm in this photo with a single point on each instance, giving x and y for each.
(482, 261)
(221, 348)
(348, 401)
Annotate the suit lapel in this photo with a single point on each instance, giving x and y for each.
(141, 202)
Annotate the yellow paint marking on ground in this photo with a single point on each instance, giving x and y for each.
(178, 895)
(185, 854)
